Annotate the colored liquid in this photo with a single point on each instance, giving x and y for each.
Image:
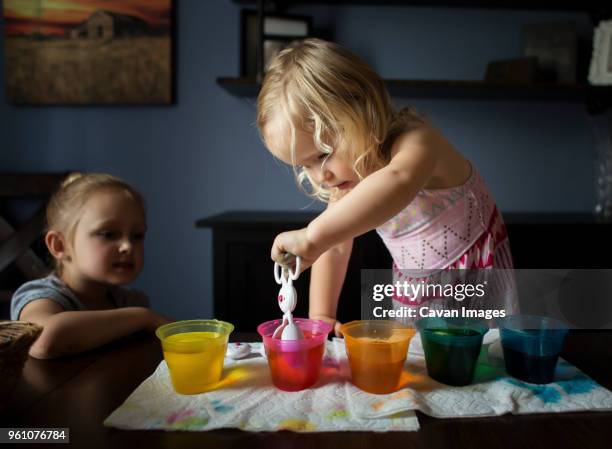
(295, 370)
(449, 361)
(454, 332)
(535, 369)
(197, 363)
(376, 364)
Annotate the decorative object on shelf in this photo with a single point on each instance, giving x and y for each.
(554, 45)
(279, 30)
(78, 54)
(512, 71)
(600, 71)
(603, 165)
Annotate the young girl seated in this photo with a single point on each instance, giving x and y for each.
(327, 114)
(96, 229)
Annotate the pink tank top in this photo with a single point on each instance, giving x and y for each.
(438, 228)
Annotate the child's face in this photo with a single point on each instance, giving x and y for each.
(327, 170)
(108, 244)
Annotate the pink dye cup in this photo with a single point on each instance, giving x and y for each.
(295, 364)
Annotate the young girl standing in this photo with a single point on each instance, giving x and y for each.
(327, 114)
(96, 228)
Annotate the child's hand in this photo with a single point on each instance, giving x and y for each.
(334, 322)
(298, 244)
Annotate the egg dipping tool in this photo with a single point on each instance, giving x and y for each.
(287, 300)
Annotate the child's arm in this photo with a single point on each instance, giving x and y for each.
(71, 332)
(326, 280)
(371, 203)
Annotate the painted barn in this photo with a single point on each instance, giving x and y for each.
(108, 25)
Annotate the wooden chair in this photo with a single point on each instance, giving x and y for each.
(15, 244)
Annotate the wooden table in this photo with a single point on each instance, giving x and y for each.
(80, 392)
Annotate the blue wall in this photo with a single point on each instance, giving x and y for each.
(203, 156)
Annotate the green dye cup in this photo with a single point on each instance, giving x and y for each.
(451, 346)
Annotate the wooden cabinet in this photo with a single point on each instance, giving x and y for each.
(245, 291)
(244, 288)
(559, 241)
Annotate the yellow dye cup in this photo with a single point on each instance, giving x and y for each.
(376, 352)
(194, 351)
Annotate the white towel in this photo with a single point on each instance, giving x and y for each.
(492, 393)
(246, 399)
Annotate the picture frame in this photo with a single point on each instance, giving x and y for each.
(600, 70)
(90, 53)
(279, 31)
(554, 46)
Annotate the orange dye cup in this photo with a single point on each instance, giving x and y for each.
(376, 351)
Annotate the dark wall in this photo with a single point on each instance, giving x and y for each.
(203, 156)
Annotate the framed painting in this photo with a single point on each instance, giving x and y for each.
(84, 52)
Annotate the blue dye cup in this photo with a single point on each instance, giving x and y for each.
(531, 346)
(451, 347)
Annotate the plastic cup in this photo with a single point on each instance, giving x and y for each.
(295, 364)
(452, 347)
(531, 346)
(194, 351)
(376, 351)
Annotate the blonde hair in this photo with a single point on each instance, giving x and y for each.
(324, 89)
(65, 204)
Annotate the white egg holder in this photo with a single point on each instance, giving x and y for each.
(287, 300)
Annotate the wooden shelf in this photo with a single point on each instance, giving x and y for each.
(562, 5)
(596, 97)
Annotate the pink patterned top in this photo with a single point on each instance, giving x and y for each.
(457, 227)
